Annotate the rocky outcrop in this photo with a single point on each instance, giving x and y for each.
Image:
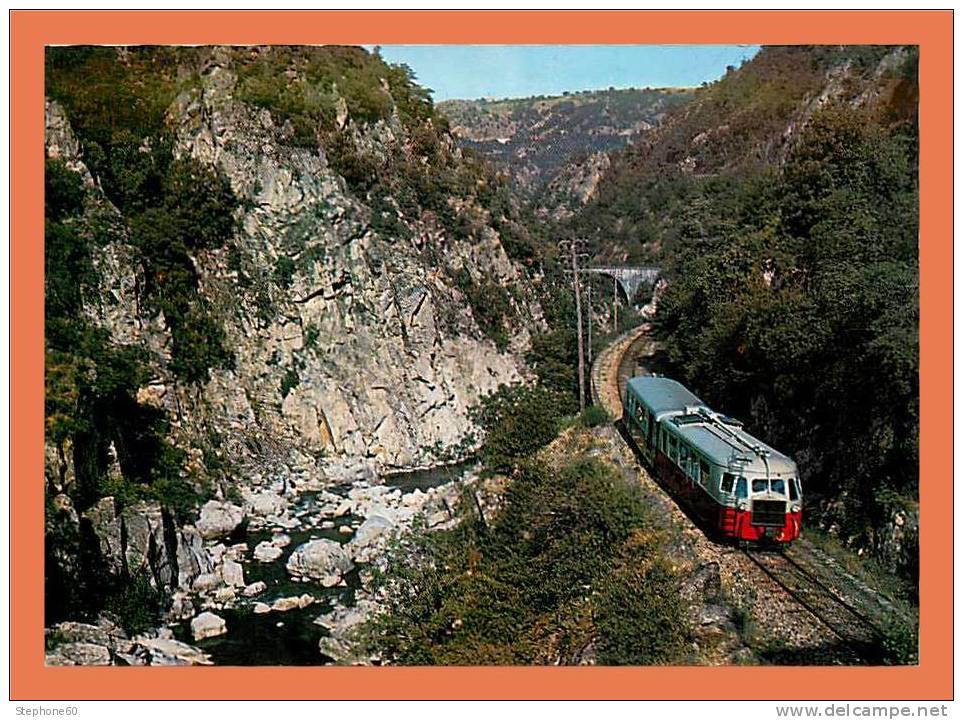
(897, 542)
(380, 378)
(365, 357)
(74, 643)
(143, 539)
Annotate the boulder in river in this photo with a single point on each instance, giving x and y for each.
(79, 653)
(233, 573)
(266, 552)
(167, 651)
(368, 537)
(255, 588)
(322, 560)
(206, 581)
(286, 603)
(219, 519)
(206, 625)
(267, 503)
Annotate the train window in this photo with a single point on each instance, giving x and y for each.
(778, 485)
(760, 485)
(728, 480)
(741, 491)
(793, 492)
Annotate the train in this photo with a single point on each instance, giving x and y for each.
(738, 486)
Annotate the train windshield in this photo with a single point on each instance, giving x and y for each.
(741, 491)
(763, 485)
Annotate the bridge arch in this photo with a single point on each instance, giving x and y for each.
(629, 279)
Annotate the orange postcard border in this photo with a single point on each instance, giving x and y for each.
(31, 30)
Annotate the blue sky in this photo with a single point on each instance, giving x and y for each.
(497, 71)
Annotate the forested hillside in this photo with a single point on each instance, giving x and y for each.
(308, 354)
(538, 139)
(782, 203)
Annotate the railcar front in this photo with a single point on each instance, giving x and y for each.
(736, 484)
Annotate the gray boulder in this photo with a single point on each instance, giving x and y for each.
(206, 625)
(266, 552)
(233, 573)
(219, 519)
(369, 536)
(79, 653)
(322, 560)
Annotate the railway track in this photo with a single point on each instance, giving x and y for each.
(839, 607)
(842, 618)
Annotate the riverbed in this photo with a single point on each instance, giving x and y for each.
(292, 637)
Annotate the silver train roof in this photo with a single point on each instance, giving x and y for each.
(662, 395)
(721, 440)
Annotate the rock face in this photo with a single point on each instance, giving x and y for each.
(322, 560)
(143, 539)
(366, 353)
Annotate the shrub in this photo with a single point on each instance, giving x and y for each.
(900, 643)
(284, 271)
(517, 420)
(595, 415)
(289, 381)
(359, 170)
(136, 604)
(63, 191)
(641, 619)
(539, 583)
(490, 305)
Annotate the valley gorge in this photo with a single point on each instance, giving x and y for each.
(310, 340)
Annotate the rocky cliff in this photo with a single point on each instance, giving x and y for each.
(353, 347)
(245, 288)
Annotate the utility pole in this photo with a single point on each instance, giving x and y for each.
(574, 249)
(588, 301)
(578, 315)
(615, 304)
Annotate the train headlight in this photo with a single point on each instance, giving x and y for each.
(742, 505)
(796, 508)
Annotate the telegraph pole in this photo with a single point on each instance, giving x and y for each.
(578, 316)
(575, 249)
(588, 301)
(615, 304)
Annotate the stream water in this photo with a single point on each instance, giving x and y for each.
(291, 638)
